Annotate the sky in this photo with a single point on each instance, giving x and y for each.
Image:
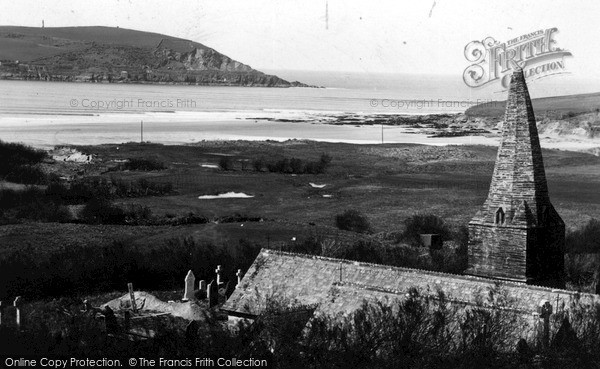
(413, 37)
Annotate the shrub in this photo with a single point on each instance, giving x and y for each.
(297, 166)
(585, 239)
(294, 165)
(259, 164)
(418, 224)
(102, 211)
(353, 220)
(143, 164)
(27, 174)
(14, 155)
(225, 163)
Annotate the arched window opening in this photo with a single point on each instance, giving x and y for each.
(499, 216)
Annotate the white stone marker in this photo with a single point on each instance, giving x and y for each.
(239, 277)
(218, 271)
(17, 305)
(190, 281)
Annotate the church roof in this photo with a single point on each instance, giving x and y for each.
(317, 281)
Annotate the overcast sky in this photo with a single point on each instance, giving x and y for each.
(371, 36)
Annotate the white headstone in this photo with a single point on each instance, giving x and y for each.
(239, 276)
(190, 282)
(17, 305)
(218, 271)
(212, 294)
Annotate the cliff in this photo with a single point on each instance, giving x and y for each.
(105, 54)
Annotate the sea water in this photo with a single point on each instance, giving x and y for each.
(47, 114)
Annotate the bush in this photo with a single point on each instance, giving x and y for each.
(143, 164)
(259, 164)
(85, 268)
(14, 155)
(418, 224)
(26, 174)
(19, 163)
(297, 166)
(353, 220)
(102, 211)
(225, 163)
(585, 239)
(294, 165)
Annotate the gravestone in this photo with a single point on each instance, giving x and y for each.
(218, 271)
(213, 294)
(190, 281)
(17, 305)
(239, 276)
(202, 290)
(110, 320)
(545, 312)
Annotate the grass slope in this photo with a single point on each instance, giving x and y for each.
(29, 43)
(547, 106)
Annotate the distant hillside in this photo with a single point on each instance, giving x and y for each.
(558, 106)
(105, 54)
(574, 117)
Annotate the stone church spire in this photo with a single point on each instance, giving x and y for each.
(517, 234)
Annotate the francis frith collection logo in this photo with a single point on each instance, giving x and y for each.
(536, 53)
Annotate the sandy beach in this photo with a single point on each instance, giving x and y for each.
(47, 131)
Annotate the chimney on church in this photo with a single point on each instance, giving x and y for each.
(517, 234)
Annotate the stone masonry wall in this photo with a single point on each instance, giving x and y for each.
(526, 243)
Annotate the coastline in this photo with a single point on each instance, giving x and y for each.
(181, 128)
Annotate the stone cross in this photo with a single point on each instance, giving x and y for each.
(545, 312)
(239, 276)
(190, 281)
(218, 271)
(17, 305)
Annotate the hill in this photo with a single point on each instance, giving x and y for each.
(106, 54)
(575, 117)
(558, 106)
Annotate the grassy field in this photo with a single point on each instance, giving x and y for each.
(386, 183)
